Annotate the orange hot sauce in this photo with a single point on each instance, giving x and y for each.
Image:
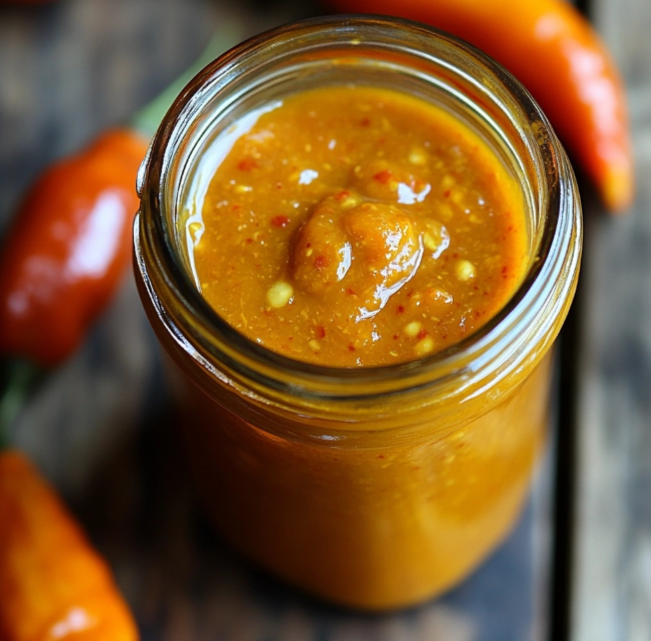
(358, 240)
(356, 227)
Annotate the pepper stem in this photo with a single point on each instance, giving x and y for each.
(18, 378)
(147, 119)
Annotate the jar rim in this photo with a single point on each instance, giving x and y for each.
(257, 363)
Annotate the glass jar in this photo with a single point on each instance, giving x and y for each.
(373, 487)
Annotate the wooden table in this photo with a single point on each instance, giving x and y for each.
(611, 564)
(98, 428)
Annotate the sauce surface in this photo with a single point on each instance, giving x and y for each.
(355, 226)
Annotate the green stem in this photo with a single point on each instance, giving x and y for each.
(18, 379)
(147, 119)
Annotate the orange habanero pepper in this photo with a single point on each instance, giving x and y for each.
(71, 243)
(53, 584)
(557, 55)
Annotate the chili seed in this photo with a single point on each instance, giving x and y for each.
(465, 270)
(436, 238)
(412, 329)
(424, 346)
(280, 294)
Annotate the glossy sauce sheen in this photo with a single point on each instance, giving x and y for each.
(355, 226)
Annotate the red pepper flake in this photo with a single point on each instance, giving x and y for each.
(248, 241)
(447, 193)
(421, 334)
(351, 348)
(280, 221)
(364, 122)
(381, 456)
(321, 261)
(351, 292)
(236, 207)
(247, 164)
(342, 195)
(396, 337)
(279, 185)
(320, 332)
(383, 176)
(400, 309)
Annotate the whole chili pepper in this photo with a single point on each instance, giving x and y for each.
(53, 584)
(556, 54)
(70, 244)
(66, 254)
(62, 261)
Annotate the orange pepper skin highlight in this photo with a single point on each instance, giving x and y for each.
(53, 584)
(557, 55)
(70, 245)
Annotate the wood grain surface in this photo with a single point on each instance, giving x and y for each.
(612, 535)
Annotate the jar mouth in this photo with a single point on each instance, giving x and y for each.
(504, 103)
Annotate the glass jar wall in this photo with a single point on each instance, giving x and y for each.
(371, 487)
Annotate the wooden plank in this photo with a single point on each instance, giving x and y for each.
(612, 545)
(98, 427)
